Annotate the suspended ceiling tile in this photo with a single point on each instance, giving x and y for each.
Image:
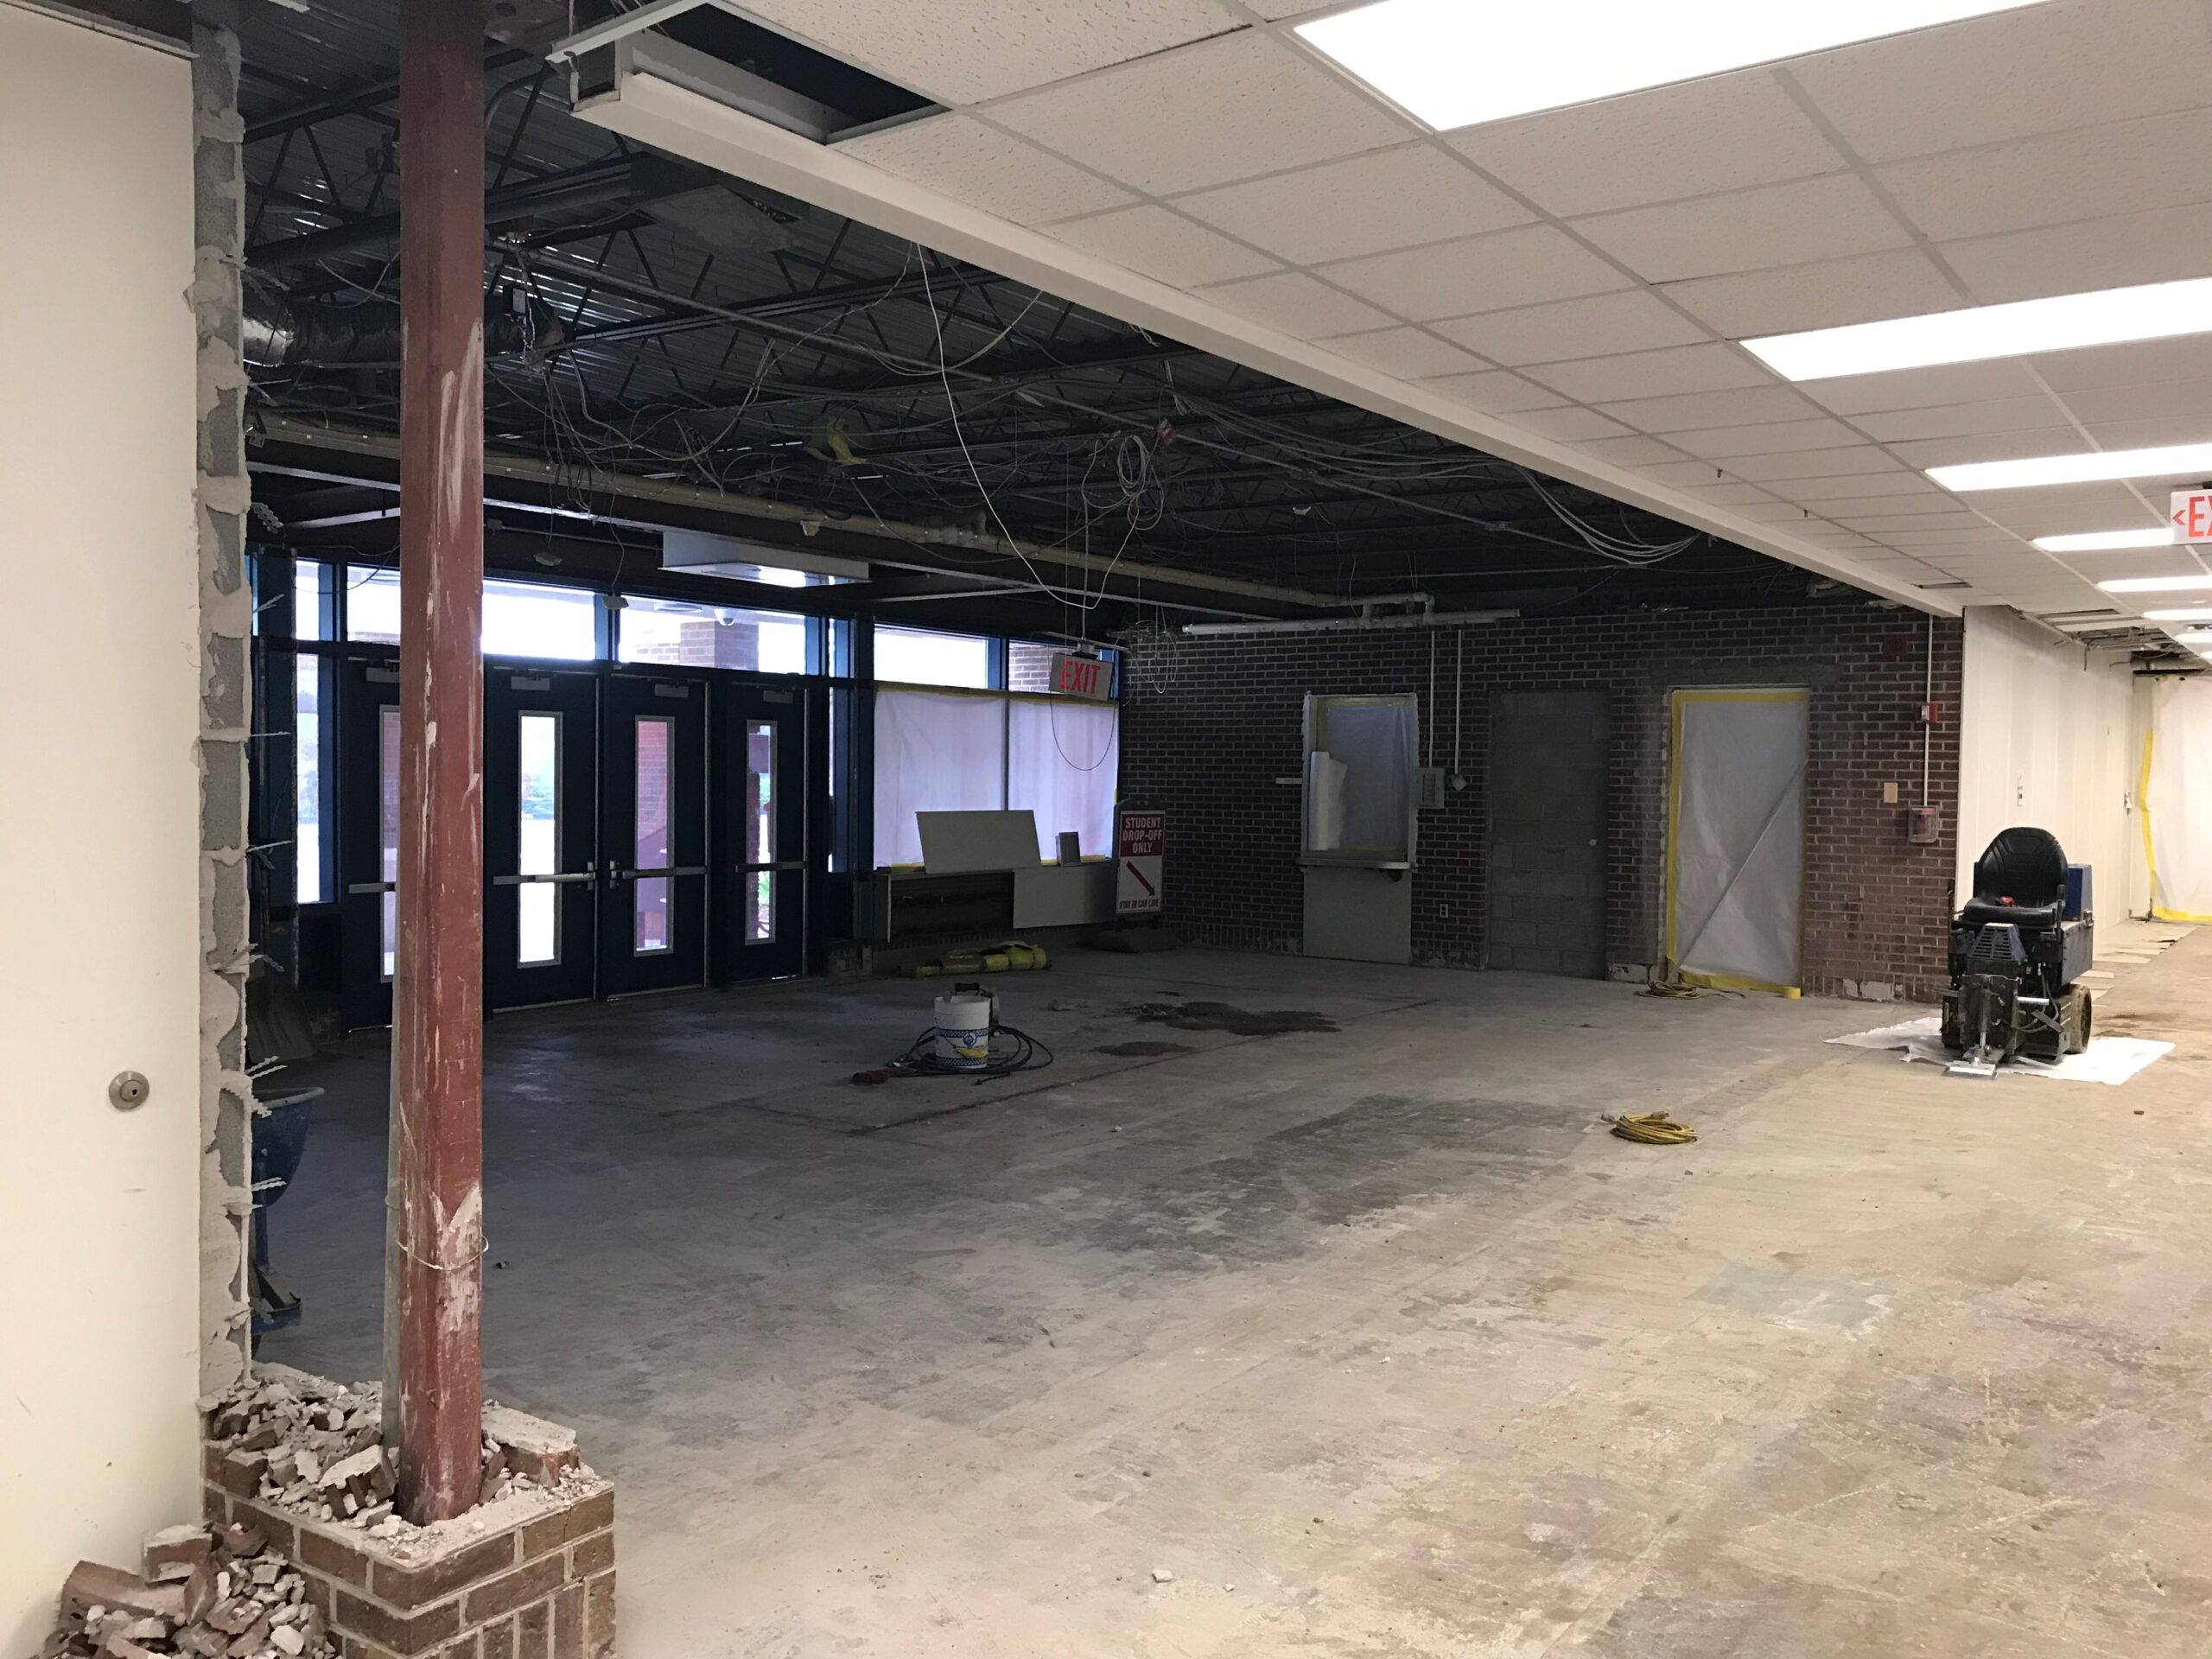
(1634, 450)
(1924, 452)
(1713, 408)
(1298, 304)
(1483, 273)
(1494, 393)
(2155, 431)
(2143, 363)
(966, 51)
(1985, 535)
(2136, 561)
(2072, 509)
(1225, 108)
(2011, 75)
(1728, 495)
(1881, 523)
(1867, 287)
(2124, 168)
(2121, 251)
(958, 156)
(1374, 203)
(1678, 369)
(1570, 424)
(1733, 444)
(1597, 326)
(1163, 244)
(1957, 383)
(1683, 474)
(1961, 420)
(2165, 400)
(1791, 224)
(1861, 509)
(1410, 353)
(1774, 512)
(1697, 139)
(1849, 460)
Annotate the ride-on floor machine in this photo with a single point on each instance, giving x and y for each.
(2017, 950)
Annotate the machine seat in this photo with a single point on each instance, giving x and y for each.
(1979, 912)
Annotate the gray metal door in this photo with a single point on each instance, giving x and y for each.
(1547, 832)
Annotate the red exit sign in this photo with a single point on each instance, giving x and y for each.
(1083, 677)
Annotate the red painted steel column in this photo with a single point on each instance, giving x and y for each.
(438, 1205)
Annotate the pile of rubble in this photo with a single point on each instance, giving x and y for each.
(320, 1452)
(203, 1595)
(314, 1447)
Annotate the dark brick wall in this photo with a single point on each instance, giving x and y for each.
(1210, 725)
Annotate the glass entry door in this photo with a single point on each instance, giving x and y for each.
(762, 866)
(368, 840)
(652, 835)
(541, 921)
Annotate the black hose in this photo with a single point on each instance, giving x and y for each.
(1011, 1051)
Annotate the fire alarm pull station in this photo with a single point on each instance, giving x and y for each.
(1923, 825)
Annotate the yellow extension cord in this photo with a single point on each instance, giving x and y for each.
(1652, 1129)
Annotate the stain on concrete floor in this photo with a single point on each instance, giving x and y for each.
(1238, 1022)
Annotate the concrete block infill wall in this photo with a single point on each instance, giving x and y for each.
(1210, 724)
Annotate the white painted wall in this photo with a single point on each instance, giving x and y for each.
(99, 1285)
(2046, 739)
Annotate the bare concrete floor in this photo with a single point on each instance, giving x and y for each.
(1373, 1337)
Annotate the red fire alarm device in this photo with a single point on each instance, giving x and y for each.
(1931, 714)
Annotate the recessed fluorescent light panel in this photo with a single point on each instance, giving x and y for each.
(2096, 468)
(2158, 311)
(2200, 614)
(1455, 63)
(2159, 585)
(2106, 541)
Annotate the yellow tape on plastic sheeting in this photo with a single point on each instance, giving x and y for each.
(2159, 913)
(1677, 702)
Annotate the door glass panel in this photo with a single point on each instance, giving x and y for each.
(307, 777)
(760, 827)
(388, 832)
(538, 939)
(760, 792)
(656, 791)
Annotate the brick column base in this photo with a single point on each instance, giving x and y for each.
(527, 1576)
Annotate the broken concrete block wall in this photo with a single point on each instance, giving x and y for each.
(225, 494)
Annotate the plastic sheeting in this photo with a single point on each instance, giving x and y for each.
(934, 753)
(950, 751)
(1064, 760)
(1378, 740)
(2109, 1060)
(2176, 800)
(1737, 837)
